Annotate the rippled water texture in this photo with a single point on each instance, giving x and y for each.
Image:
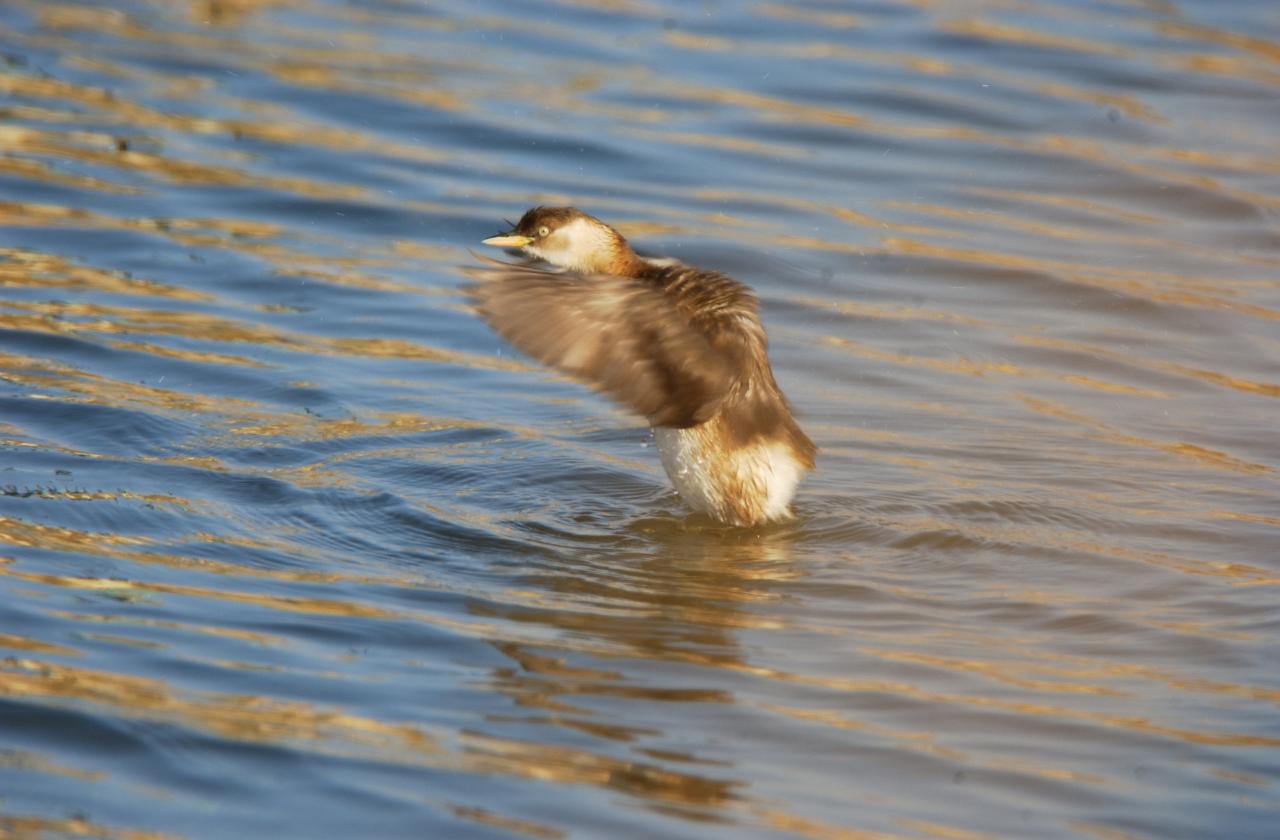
(292, 545)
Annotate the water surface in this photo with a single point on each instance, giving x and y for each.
(292, 545)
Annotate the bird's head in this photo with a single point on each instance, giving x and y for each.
(568, 238)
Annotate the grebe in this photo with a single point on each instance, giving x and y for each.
(680, 345)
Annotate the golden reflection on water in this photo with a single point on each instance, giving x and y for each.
(67, 318)
(1215, 377)
(1103, 432)
(34, 646)
(23, 827)
(24, 268)
(535, 684)
(1194, 291)
(981, 369)
(260, 639)
(1133, 723)
(259, 719)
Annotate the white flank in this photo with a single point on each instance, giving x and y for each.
(781, 473)
(761, 477)
(688, 469)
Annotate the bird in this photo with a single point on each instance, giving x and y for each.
(681, 346)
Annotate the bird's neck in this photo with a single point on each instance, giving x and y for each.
(620, 260)
(610, 255)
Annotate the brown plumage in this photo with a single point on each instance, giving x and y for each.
(681, 346)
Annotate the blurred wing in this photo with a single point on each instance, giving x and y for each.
(617, 334)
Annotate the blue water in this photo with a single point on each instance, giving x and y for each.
(292, 545)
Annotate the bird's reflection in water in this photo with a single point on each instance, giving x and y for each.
(663, 590)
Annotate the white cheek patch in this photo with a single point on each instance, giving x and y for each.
(579, 245)
(558, 241)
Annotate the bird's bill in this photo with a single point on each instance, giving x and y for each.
(508, 240)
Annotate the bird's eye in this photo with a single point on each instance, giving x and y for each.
(544, 230)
